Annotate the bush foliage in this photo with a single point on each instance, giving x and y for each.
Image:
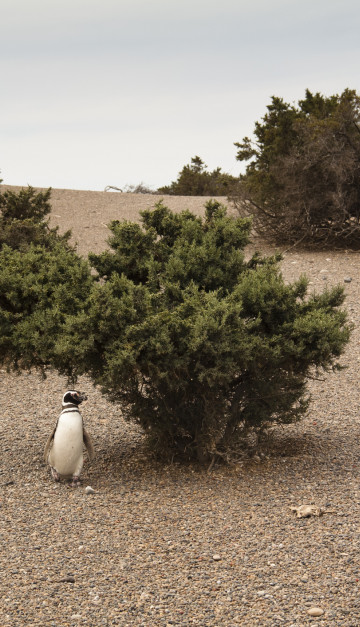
(199, 346)
(302, 181)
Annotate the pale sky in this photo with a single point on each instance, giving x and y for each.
(118, 92)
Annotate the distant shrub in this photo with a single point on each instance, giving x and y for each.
(140, 188)
(195, 180)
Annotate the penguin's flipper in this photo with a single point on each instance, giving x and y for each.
(89, 445)
(48, 444)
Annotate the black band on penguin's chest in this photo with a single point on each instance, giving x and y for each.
(70, 408)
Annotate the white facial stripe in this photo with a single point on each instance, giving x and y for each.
(69, 392)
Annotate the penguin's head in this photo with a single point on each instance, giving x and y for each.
(73, 397)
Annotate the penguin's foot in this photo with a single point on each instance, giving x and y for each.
(55, 475)
(75, 481)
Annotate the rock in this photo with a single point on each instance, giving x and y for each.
(315, 611)
(89, 490)
(304, 511)
(216, 557)
(348, 279)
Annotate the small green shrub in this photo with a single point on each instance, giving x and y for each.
(39, 289)
(23, 220)
(42, 282)
(195, 180)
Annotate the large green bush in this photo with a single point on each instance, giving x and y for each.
(198, 345)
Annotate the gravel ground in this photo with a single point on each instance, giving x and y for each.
(158, 545)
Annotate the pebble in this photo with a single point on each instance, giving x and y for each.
(89, 490)
(315, 611)
(216, 557)
(68, 579)
(348, 279)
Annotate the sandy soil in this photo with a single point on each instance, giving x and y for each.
(160, 546)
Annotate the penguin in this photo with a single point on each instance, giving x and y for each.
(64, 448)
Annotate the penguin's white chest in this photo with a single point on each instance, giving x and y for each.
(66, 454)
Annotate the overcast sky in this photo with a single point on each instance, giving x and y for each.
(118, 92)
